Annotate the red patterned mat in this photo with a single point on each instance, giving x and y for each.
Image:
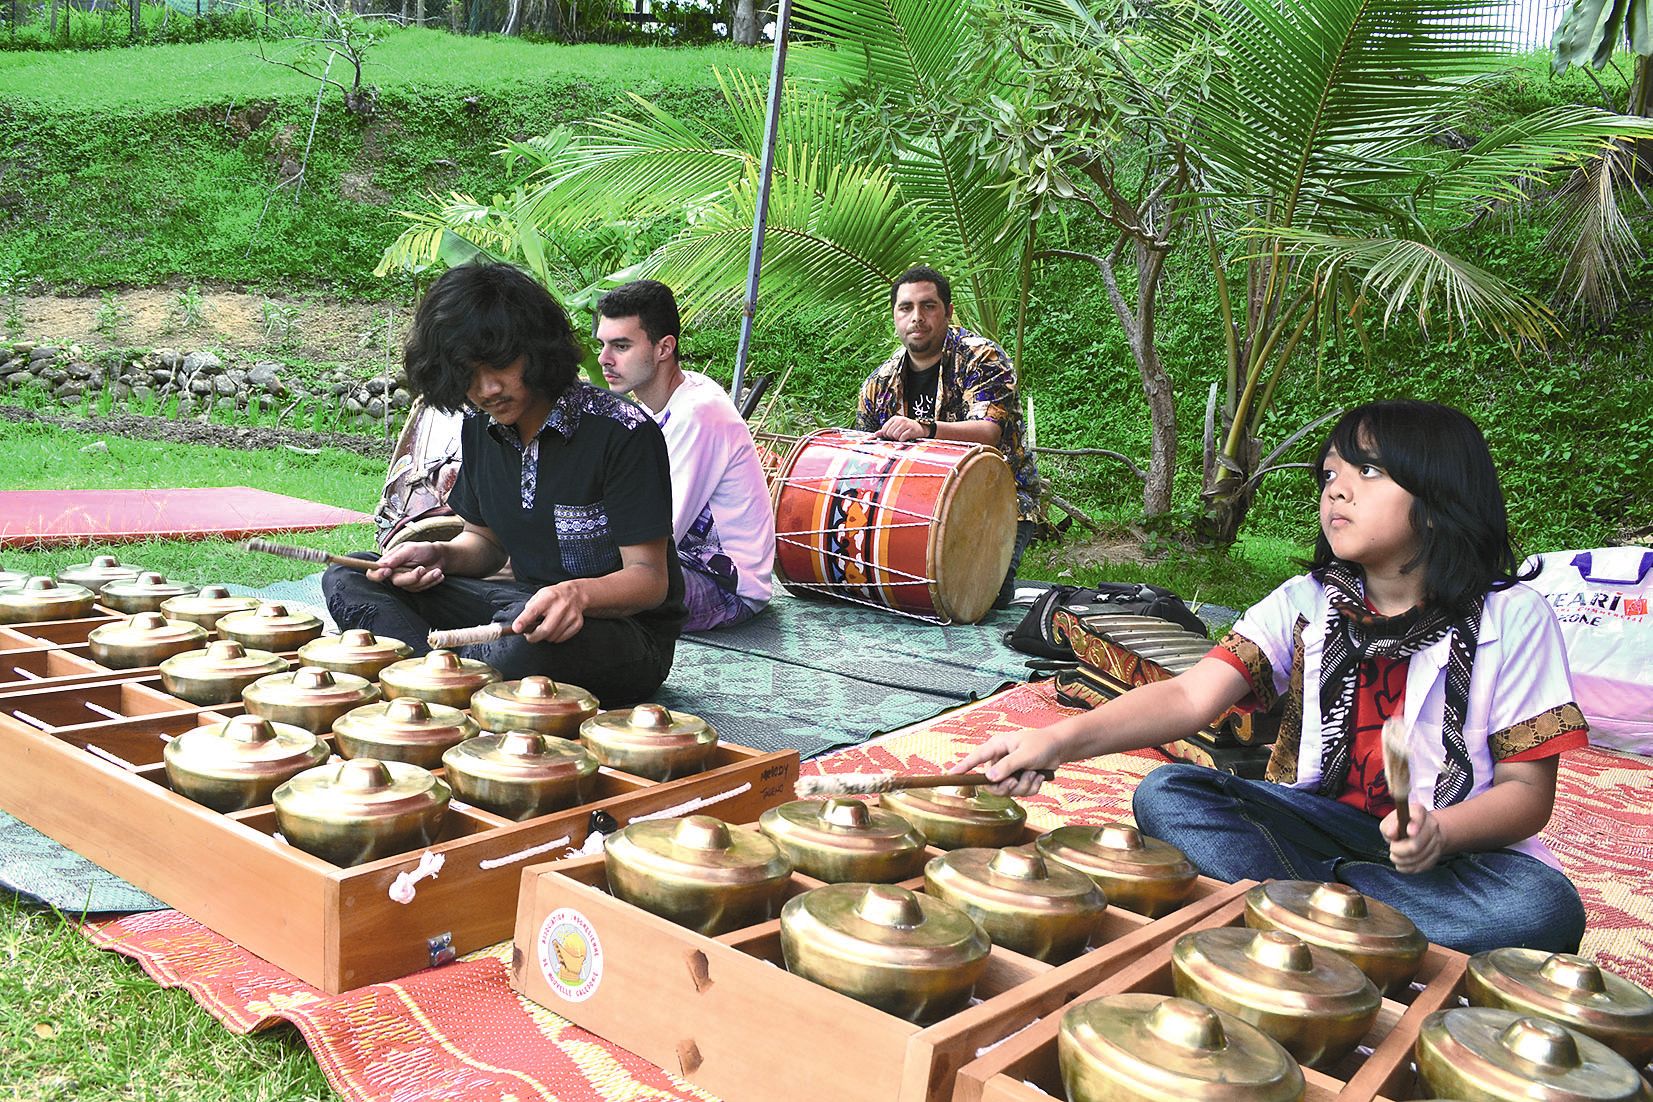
(459, 1033)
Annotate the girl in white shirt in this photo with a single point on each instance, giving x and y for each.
(1411, 607)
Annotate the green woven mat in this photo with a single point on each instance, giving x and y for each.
(35, 866)
(813, 675)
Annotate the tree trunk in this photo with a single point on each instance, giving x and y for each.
(1162, 420)
(136, 8)
(746, 30)
(54, 20)
(1640, 102)
(419, 13)
(1227, 496)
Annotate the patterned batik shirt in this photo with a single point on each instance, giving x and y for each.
(978, 383)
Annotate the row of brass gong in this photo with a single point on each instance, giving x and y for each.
(1301, 983)
(526, 748)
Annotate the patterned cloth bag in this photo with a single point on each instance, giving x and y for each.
(422, 472)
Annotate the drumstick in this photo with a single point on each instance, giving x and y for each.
(450, 638)
(1397, 768)
(312, 554)
(863, 784)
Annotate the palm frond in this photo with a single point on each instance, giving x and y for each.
(1408, 276)
(907, 46)
(974, 227)
(1507, 164)
(811, 117)
(910, 50)
(1590, 226)
(661, 164)
(1592, 29)
(1320, 96)
(420, 246)
(640, 166)
(838, 235)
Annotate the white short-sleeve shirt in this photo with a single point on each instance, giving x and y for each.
(1520, 692)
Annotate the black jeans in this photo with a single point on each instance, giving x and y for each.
(620, 661)
(1007, 589)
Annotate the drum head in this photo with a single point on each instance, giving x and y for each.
(974, 537)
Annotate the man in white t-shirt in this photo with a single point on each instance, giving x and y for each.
(721, 518)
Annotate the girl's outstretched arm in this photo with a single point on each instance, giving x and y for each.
(1516, 807)
(1146, 716)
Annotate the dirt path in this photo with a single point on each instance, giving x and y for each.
(272, 327)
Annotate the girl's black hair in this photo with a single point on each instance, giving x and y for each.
(488, 314)
(1438, 455)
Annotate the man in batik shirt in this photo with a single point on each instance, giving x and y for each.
(947, 383)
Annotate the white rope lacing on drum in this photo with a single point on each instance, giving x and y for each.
(880, 569)
(827, 486)
(838, 590)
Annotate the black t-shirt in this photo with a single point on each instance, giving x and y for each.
(603, 482)
(919, 387)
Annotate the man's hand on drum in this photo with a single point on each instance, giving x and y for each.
(1013, 762)
(410, 566)
(553, 614)
(902, 428)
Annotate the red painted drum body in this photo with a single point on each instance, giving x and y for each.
(924, 527)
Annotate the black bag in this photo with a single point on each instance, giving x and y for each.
(1036, 633)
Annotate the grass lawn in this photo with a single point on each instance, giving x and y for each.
(43, 457)
(156, 78)
(79, 1023)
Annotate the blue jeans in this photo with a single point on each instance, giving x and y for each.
(1234, 829)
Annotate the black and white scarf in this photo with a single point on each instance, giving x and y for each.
(1355, 634)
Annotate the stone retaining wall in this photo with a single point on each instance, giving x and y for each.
(198, 379)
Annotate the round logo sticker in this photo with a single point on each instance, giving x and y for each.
(571, 956)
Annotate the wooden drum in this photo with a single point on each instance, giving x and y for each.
(924, 527)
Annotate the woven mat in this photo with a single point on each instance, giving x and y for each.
(55, 518)
(459, 1033)
(38, 868)
(831, 673)
(877, 646)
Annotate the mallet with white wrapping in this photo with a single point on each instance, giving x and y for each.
(866, 784)
(315, 555)
(1398, 769)
(449, 638)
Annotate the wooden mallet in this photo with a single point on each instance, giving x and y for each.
(1398, 769)
(311, 554)
(865, 784)
(448, 639)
